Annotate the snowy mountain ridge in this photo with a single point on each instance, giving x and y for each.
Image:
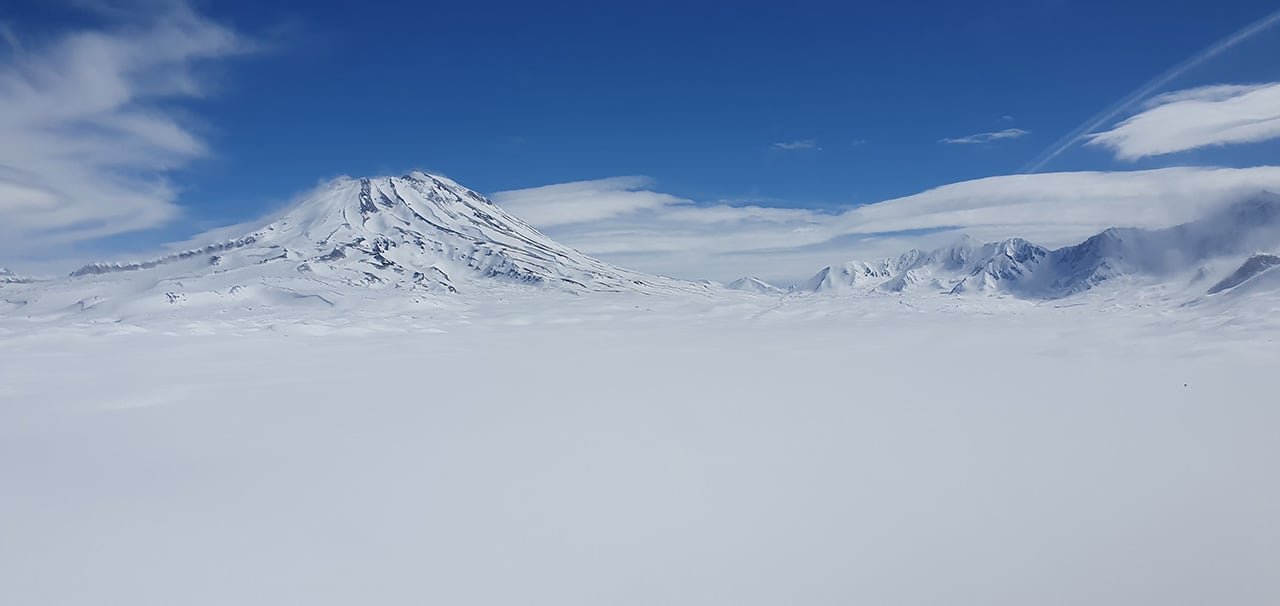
(1240, 235)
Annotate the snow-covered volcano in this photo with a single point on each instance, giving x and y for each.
(418, 231)
(418, 235)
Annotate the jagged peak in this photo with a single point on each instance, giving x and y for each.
(1018, 247)
(910, 258)
(1098, 243)
(865, 265)
(1015, 242)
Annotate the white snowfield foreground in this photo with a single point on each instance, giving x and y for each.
(619, 452)
(303, 419)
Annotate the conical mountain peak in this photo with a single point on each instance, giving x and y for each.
(414, 233)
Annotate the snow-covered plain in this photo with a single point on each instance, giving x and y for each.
(624, 448)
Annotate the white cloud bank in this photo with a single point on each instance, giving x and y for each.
(85, 135)
(980, 138)
(584, 201)
(1195, 118)
(665, 234)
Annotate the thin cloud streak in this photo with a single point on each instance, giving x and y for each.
(806, 144)
(1109, 114)
(10, 39)
(981, 138)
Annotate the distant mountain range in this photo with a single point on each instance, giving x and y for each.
(1240, 238)
(423, 238)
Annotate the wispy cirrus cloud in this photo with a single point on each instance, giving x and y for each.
(799, 145)
(87, 127)
(1146, 90)
(980, 138)
(666, 234)
(1190, 119)
(9, 38)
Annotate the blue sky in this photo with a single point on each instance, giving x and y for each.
(809, 105)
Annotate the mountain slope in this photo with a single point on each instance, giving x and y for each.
(1253, 267)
